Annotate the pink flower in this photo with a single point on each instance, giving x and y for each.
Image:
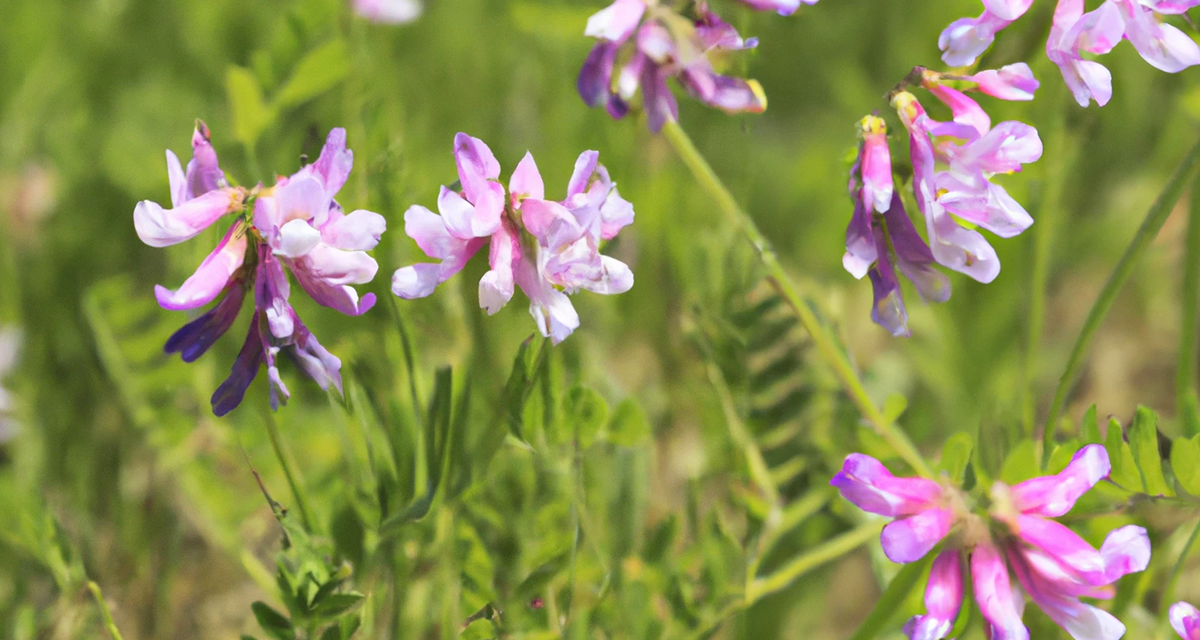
(659, 45)
(967, 38)
(1011, 82)
(548, 249)
(943, 599)
(297, 224)
(1185, 620)
(388, 11)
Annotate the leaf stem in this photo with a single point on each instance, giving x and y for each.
(1187, 406)
(812, 559)
(1169, 590)
(104, 611)
(284, 455)
(782, 283)
(1153, 223)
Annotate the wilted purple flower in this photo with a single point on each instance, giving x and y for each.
(881, 236)
(295, 224)
(1185, 620)
(1075, 33)
(549, 249)
(654, 44)
(388, 11)
(1052, 563)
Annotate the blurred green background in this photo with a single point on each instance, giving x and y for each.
(616, 501)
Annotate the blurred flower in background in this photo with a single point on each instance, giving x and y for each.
(29, 196)
(642, 45)
(1185, 619)
(297, 224)
(549, 249)
(10, 351)
(388, 11)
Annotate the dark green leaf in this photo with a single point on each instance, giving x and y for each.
(272, 622)
(896, 593)
(336, 604)
(586, 411)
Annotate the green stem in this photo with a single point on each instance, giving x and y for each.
(1169, 590)
(782, 283)
(1186, 402)
(812, 559)
(284, 455)
(108, 619)
(1155, 218)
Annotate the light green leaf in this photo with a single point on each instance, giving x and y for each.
(956, 455)
(1124, 469)
(1185, 462)
(1061, 456)
(1021, 463)
(1143, 441)
(251, 113)
(1089, 428)
(586, 412)
(316, 73)
(629, 426)
(481, 629)
(894, 406)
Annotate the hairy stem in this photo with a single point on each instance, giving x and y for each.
(1155, 218)
(782, 283)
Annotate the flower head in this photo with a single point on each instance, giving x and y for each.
(1185, 620)
(295, 225)
(653, 43)
(548, 249)
(1052, 564)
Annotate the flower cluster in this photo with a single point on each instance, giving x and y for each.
(10, 350)
(547, 248)
(388, 11)
(1185, 619)
(1075, 36)
(642, 43)
(1052, 564)
(954, 164)
(295, 224)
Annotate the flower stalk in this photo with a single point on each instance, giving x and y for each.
(782, 283)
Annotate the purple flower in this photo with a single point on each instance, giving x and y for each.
(782, 7)
(548, 249)
(967, 38)
(295, 224)
(388, 11)
(1051, 562)
(878, 245)
(1185, 620)
(656, 44)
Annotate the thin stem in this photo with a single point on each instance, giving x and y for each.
(1155, 218)
(783, 284)
(108, 619)
(1186, 403)
(1169, 590)
(812, 559)
(284, 455)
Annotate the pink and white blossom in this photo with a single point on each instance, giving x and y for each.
(1185, 620)
(388, 11)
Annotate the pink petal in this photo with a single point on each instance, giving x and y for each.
(176, 179)
(1000, 605)
(457, 214)
(585, 167)
(160, 227)
(966, 111)
(551, 309)
(496, 286)
(1008, 9)
(476, 166)
(210, 278)
(303, 198)
(1053, 496)
(526, 182)
(1011, 82)
(1185, 620)
(359, 231)
(1126, 550)
(616, 22)
(297, 238)
(943, 599)
(338, 267)
(876, 172)
(864, 481)
(615, 277)
(335, 162)
(909, 539)
(1064, 546)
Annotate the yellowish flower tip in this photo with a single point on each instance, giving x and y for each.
(873, 125)
(759, 94)
(905, 104)
(930, 77)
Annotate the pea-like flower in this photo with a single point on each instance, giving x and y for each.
(548, 249)
(1076, 37)
(653, 43)
(1185, 620)
(1052, 564)
(296, 224)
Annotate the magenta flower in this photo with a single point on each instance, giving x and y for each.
(546, 248)
(782, 7)
(1051, 562)
(388, 11)
(295, 224)
(1185, 620)
(1075, 33)
(881, 238)
(655, 44)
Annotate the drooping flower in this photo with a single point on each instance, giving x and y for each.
(388, 11)
(548, 249)
(10, 351)
(1075, 33)
(1052, 564)
(1185, 620)
(296, 224)
(655, 44)
(881, 238)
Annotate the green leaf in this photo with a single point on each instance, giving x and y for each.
(272, 622)
(1143, 441)
(332, 633)
(1089, 428)
(1021, 463)
(1185, 462)
(335, 605)
(895, 595)
(894, 406)
(629, 426)
(1061, 456)
(481, 629)
(956, 455)
(586, 411)
(1124, 470)
(316, 73)
(519, 384)
(251, 113)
